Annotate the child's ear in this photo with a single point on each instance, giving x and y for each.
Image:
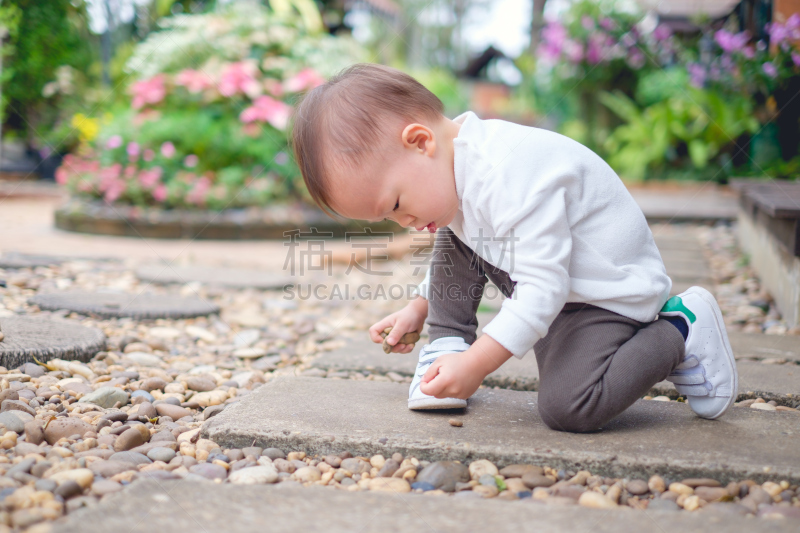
(420, 138)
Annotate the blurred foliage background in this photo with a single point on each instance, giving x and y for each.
(183, 103)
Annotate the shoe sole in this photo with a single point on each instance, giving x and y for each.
(709, 299)
(436, 403)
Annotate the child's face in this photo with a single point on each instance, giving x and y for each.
(413, 185)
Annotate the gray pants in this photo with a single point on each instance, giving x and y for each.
(593, 363)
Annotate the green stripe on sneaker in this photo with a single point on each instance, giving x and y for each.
(675, 304)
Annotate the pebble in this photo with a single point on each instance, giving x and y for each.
(68, 489)
(33, 370)
(209, 471)
(488, 480)
(16, 405)
(12, 422)
(387, 470)
(455, 422)
(81, 476)
(45, 484)
(377, 461)
(389, 484)
(656, 484)
(759, 406)
(133, 458)
(176, 412)
(65, 427)
(444, 475)
(201, 384)
(105, 486)
(161, 454)
(681, 489)
(147, 410)
(255, 475)
(595, 500)
(152, 384)
(106, 397)
(131, 438)
(637, 487)
(307, 474)
(143, 359)
(143, 394)
(711, 494)
(273, 453)
(485, 491)
(206, 399)
(533, 480)
(701, 482)
(356, 466)
(520, 470)
(481, 467)
(108, 469)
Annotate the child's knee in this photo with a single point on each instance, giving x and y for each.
(561, 415)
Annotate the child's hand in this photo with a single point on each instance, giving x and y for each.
(453, 375)
(410, 318)
(458, 375)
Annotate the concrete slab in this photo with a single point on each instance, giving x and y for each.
(691, 203)
(149, 505)
(771, 382)
(322, 416)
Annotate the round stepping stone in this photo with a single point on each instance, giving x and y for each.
(237, 278)
(26, 338)
(13, 261)
(115, 305)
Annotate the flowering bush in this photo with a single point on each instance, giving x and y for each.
(734, 63)
(208, 115)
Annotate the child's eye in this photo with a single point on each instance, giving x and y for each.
(397, 205)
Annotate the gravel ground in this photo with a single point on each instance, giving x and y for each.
(73, 432)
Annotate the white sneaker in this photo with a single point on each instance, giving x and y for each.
(707, 376)
(429, 354)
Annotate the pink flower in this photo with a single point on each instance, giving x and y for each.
(168, 150)
(662, 32)
(150, 91)
(239, 78)
(303, 80)
(770, 69)
(587, 22)
(748, 52)
(796, 59)
(553, 37)
(62, 175)
(191, 161)
(198, 193)
(194, 80)
(115, 141)
(133, 151)
(148, 155)
(607, 24)
(149, 178)
(160, 193)
(730, 42)
(266, 109)
(574, 51)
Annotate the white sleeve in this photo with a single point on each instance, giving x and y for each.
(539, 263)
(422, 288)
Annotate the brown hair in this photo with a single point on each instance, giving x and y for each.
(346, 116)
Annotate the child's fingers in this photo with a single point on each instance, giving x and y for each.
(432, 372)
(398, 348)
(377, 328)
(434, 387)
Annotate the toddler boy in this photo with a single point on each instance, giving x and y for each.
(538, 214)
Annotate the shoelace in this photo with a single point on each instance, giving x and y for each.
(689, 378)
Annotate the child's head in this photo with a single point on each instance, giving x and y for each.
(373, 143)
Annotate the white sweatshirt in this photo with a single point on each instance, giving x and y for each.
(578, 235)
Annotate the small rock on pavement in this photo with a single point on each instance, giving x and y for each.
(307, 474)
(12, 422)
(533, 480)
(657, 484)
(254, 475)
(389, 484)
(17, 405)
(105, 486)
(109, 469)
(356, 466)
(106, 397)
(711, 494)
(480, 467)
(200, 384)
(65, 427)
(455, 422)
(207, 399)
(33, 370)
(68, 489)
(595, 500)
(443, 475)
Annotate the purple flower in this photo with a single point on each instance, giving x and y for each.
(191, 161)
(587, 22)
(793, 22)
(636, 59)
(770, 69)
(730, 42)
(796, 59)
(697, 74)
(574, 51)
(777, 33)
(662, 33)
(114, 142)
(607, 24)
(748, 52)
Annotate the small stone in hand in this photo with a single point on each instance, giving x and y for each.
(456, 423)
(409, 338)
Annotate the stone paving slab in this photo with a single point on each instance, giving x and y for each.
(149, 505)
(322, 416)
(26, 338)
(114, 305)
(754, 345)
(691, 203)
(238, 278)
